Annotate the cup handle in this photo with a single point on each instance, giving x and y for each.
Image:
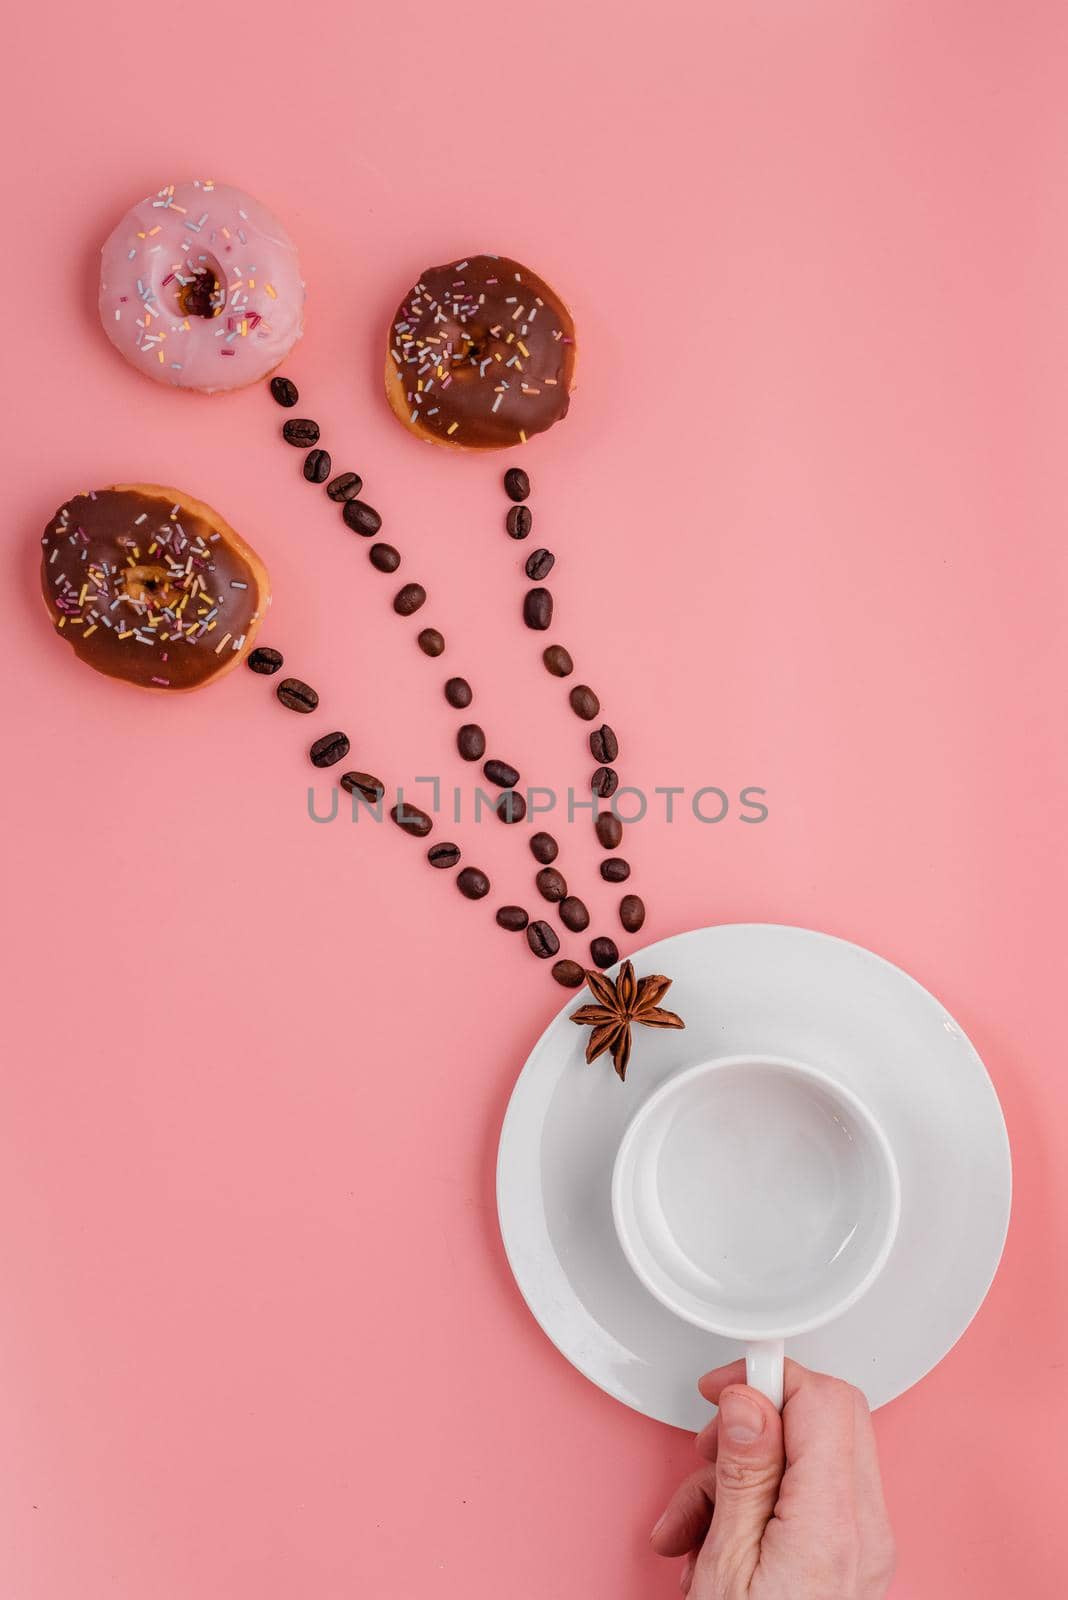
(763, 1368)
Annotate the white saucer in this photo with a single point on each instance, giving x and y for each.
(753, 989)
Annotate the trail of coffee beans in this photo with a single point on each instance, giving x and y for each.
(346, 489)
(603, 743)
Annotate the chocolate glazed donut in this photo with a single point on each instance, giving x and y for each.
(151, 586)
(481, 355)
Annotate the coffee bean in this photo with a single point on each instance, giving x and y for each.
(364, 784)
(472, 883)
(519, 522)
(471, 742)
(411, 819)
(558, 661)
(605, 782)
(317, 466)
(443, 855)
(500, 773)
(384, 557)
(604, 952)
(511, 806)
(329, 750)
(632, 912)
(458, 693)
(361, 518)
(609, 830)
(543, 847)
(516, 484)
(538, 609)
(285, 391)
(569, 973)
(542, 940)
(264, 659)
(300, 431)
(431, 642)
(513, 918)
(408, 599)
(552, 885)
(573, 913)
(539, 564)
(615, 870)
(346, 486)
(584, 703)
(296, 696)
(604, 746)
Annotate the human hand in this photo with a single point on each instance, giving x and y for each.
(791, 1507)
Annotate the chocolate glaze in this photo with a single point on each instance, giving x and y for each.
(150, 589)
(484, 351)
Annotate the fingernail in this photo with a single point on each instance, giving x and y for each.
(740, 1418)
(657, 1525)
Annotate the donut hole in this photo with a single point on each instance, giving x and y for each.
(149, 586)
(472, 345)
(199, 288)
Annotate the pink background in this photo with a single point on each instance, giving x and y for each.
(257, 1335)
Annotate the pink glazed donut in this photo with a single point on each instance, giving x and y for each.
(200, 287)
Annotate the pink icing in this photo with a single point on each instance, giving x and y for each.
(194, 234)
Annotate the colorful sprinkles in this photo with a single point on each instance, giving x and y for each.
(481, 354)
(179, 295)
(156, 579)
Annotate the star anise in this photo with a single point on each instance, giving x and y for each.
(620, 1004)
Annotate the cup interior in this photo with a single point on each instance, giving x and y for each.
(755, 1197)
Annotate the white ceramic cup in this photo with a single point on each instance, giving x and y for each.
(758, 1198)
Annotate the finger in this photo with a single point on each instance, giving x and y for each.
(873, 1521)
(714, 1382)
(870, 1499)
(819, 1425)
(817, 1415)
(688, 1516)
(686, 1576)
(749, 1468)
(707, 1440)
(830, 1455)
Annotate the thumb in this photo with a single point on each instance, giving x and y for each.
(749, 1469)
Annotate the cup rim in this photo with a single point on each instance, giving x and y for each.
(667, 1090)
